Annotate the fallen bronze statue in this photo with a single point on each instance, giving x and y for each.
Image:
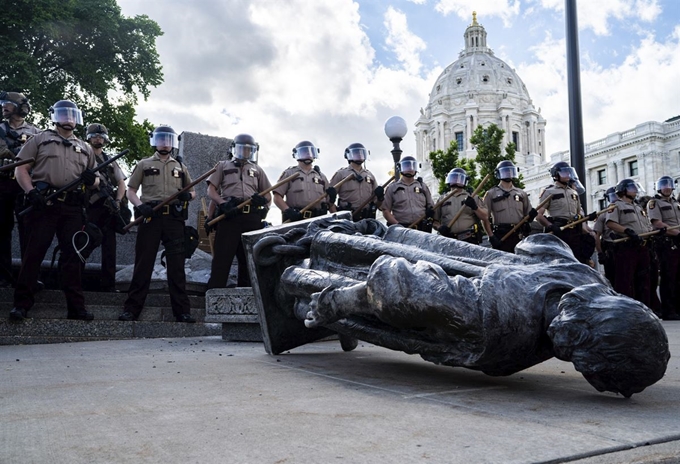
(451, 302)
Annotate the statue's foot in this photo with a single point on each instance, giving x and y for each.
(320, 309)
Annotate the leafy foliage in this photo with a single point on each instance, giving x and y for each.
(87, 52)
(443, 162)
(488, 141)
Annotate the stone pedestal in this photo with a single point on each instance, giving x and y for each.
(235, 308)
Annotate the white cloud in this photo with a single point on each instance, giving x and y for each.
(507, 10)
(403, 42)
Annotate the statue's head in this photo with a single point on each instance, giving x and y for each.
(617, 343)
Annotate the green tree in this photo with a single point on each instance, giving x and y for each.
(487, 142)
(443, 161)
(85, 51)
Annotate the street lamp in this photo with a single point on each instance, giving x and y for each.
(396, 129)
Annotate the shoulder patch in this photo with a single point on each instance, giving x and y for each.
(651, 204)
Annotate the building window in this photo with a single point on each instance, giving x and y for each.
(633, 168)
(515, 140)
(459, 80)
(485, 78)
(460, 141)
(439, 87)
(601, 177)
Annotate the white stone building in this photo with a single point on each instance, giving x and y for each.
(481, 89)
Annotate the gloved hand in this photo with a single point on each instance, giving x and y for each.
(36, 200)
(206, 227)
(292, 215)
(228, 210)
(532, 214)
(554, 228)
(144, 210)
(592, 216)
(495, 241)
(601, 257)
(379, 193)
(184, 196)
(444, 230)
(429, 214)
(634, 237)
(88, 177)
(332, 194)
(661, 232)
(470, 203)
(258, 200)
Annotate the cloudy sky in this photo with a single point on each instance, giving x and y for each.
(333, 71)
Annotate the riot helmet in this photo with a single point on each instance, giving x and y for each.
(162, 138)
(356, 153)
(244, 147)
(665, 182)
(610, 195)
(65, 114)
(457, 177)
(97, 130)
(629, 188)
(305, 151)
(408, 166)
(14, 103)
(506, 171)
(562, 172)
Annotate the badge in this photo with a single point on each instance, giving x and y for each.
(574, 197)
(369, 180)
(23, 138)
(175, 173)
(651, 204)
(251, 172)
(417, 190)
(77, 149)
(517, 198)
(316, 180)
(644, 213)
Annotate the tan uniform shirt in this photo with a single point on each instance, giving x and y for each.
(664, 210)
(25, 131)
(630, 215)
(407, 203)
(109, 176)
(232, 181)
(354, 192)
(564, 203)
(159, 179)
(601, 229)
(507, 207)
(304, 189)
(56, 163)
(450, 208)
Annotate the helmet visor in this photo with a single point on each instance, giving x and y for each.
(506, 172)
(67, 115)
(611, 197)
(357, 154)
(665, 183)
(408, 166)
(103, 135)
(245, 151)
(456, 178)
(164, 139)
(306, 152)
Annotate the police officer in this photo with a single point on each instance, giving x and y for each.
(467, 227)
(564, 207)
(664, 211)
(236, 179)
(356, 192)
(159, 176)
(632, 257)
(603, 237)
(408, 199)
(105, 204)
(306, 188)
(507, 205)
(59, 159)
(14, 132)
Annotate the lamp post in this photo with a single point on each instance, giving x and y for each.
(395, 129)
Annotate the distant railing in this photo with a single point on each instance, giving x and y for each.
(628, 133)
(596, 145)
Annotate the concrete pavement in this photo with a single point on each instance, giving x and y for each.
(203, 400)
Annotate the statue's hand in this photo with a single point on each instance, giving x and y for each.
(319, 309)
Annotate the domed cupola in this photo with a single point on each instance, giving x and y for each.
(475, 37)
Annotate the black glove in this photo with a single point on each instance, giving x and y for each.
(444, 230)
(228, 210)
(470, 203)
(88, 177)
(661, 232)
(292, 215)
(554, 228)
(592, 216)
(601, 258)
(184, 196)
(144, 210)
(208, 228)
(429, 213)
(532, 214)
(36, 200)
(495, 241)
(379, 193)
(258, 200)
(634, 237)
(332, 194)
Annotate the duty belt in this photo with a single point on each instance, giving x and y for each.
(72, 197)
(166, 210)
(464, 234)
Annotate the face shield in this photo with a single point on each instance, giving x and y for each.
(635, 190)
(164, 139)
(665, 183)
(408, 166)
(357, 154)
(568, 176)
(457, 179)
(611, 197)
(245, 151)
(67, 116)
(506, 172)
(103, 135)
(306, 152)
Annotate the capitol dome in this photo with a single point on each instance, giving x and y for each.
(479, 89)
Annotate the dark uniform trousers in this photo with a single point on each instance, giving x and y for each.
(507, 245)
(632, 277)
(64, 220)
(579, 242)
(669, 265)
(228, 245)
(9, 193)
(101, 216)
(169, 230)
